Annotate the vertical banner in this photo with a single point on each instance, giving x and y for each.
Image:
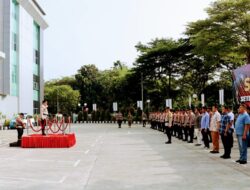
(94, 107)
(221, 97)
(140, 105)
(203, 99)
(115, 107)
(241, 77)
(169, 103)
(190, 102)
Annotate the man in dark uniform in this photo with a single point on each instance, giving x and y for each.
(20, 125)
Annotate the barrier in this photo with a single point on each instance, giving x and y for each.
(54, 126)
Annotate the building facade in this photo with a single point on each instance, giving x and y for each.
(22, 25)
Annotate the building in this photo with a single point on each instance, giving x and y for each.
(22, 25)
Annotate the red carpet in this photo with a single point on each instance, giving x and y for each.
(49, 141)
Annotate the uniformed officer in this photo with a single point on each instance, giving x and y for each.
(168, 124)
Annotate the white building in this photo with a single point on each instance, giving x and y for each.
(22, 25)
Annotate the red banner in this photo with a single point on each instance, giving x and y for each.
(241, 77)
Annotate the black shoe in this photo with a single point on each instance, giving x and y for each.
(197, 144)
(214, 152)
(168, 142)
(237, 161)
(243, 162)
(190, 141)
(227, 157)
(222, 156)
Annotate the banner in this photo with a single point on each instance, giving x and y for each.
(203, 99)
(241, 77)
(169, 103)
(221, 97)
(115, 107)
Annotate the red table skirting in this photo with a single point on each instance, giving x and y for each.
(49, 141)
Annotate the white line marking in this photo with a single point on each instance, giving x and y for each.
(77, 162)
(63, 179)
(26, 179)
(87, 151)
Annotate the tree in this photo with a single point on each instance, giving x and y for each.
(64, 96)
(159, 59)
(225, 34)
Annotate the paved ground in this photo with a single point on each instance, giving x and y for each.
(108, 158)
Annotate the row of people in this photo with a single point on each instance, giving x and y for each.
(208, 125)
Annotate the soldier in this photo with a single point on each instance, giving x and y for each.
(20, 125)
(119, 118)
(144, 119)
(162, 121)
(186, 125)
(130, 119)
(44, 114)
(168, 124)
(191, 126)
(182, 120)
(198, 126)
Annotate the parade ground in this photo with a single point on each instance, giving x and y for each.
(108, 158)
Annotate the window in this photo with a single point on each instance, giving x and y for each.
(35, 85)
(14, 41)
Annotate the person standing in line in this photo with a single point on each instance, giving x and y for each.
(214, 129)
(241, 128)
(144, 119)
(182, 121)
(191, 125)
(174, 123)
(168, 124)
(198, 117)
(119, 119)
(226, 133)
(130, 119)
(186, 125)
(205, 127)
(44, 115)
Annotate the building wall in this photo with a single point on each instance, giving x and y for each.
(25, 62)
(7, 38)
(1, 46)
(20, 100)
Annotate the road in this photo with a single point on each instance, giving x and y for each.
(108, 158)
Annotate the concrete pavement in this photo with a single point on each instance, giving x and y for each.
(108, 158)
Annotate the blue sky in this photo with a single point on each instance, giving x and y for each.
(102, 31)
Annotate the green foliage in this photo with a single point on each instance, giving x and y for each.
(64, 95)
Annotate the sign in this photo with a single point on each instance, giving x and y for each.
(140, 105)
(190, 102)
(94, 107)
(115, 107)
(169, 103)
(202, 99)
(221, 97)
(241, 77)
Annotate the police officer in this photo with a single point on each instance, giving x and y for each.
(168, 124)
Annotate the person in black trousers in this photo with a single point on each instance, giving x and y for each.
(168, 124)
(205, 127)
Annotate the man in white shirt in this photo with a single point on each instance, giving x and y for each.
(214, 128)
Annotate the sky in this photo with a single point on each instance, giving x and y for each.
(101, 32)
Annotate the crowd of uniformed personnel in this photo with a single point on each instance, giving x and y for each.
(206, 125)
(180, 123)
